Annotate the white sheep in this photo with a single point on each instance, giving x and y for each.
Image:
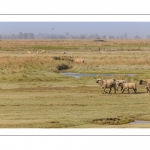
(109, 83)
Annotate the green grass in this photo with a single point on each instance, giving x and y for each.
(74, 107)
(33, 94)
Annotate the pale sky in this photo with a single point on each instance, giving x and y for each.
(76, 28)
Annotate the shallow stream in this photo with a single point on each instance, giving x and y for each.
(140, 122)
(78, 75)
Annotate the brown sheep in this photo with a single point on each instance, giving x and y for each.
(78, 60)
(109, 83)
(128, 86)
(145, 82)
(29, 52)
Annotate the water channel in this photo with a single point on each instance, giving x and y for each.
(78, 75)
(139, 122)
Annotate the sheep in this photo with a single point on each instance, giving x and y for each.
(43, 51)
(28, 52)
(128, 86)
(109, 83)
(118, 82)
(78, 60)
(145, 82)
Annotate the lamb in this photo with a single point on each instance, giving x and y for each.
(128, 86)
(118, 84)
(78, 60)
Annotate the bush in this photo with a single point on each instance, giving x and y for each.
(62, 67)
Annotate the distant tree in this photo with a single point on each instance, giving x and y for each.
(73, 36)
(82, 36)
(121, 37)
(111, 37)
(125, 36)
(40, 36)
(53, 36)
(61, 36)
(13, 36)
(20, 36)
(96, 36)
(67, 35)
(137, 37)
(30, 36)
(148, 36)
(92, 36)
(104, 37)
(46, 36)
(25, 36)
(117, 37)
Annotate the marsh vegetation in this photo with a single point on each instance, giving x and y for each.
(33, 93)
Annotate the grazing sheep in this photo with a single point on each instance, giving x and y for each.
(78, 60)
(145, 82)
(118, 84)
(109, 83)
(43, 51)
(128, 86)
(28, 52)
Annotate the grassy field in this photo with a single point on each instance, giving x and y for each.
(33, 93)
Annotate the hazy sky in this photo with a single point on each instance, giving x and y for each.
(76, 28)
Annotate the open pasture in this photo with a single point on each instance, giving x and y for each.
(33, 93)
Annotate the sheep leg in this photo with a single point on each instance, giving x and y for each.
(104, 90)
(115, 90)
(123, 90)
(110, 90)
(128, 91)
(135, 90)
(147, 89)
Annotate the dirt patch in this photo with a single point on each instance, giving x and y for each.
(54, 122)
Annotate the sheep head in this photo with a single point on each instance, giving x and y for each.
(98, 80)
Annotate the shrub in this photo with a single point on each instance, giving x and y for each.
(62, 67)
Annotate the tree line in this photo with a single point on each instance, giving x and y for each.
(22, 35)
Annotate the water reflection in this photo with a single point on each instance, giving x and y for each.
(140, 122)
(78, 75)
